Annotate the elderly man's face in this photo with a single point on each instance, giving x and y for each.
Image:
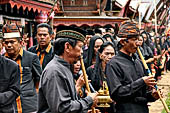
(75, 52)
(12, 46)
(131, 45)
(43, 37)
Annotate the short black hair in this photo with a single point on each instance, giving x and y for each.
(119, 45)
(47, 26)
(59, 44)
(97, 30)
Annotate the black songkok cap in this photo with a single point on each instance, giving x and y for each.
(128, 29)
(70, 32)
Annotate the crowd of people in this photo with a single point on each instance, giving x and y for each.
(48, 78)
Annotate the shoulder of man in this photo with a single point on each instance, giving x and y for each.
(7, 61)
(33, 48)
(28, 58)
(115, 60)
(29, 54)
(8, 65)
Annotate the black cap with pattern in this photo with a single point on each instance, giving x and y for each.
(128, 29)
(70, 32)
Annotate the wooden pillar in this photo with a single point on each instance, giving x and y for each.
(30, 35)
(51, 21)
(140, 23)
(155, 17)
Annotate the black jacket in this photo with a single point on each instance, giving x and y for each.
(48, 54)
(9, 84)
(57, 92)
(30, 71)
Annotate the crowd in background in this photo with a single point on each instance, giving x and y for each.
(100, 45)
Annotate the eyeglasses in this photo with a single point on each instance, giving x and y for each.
(11, 42)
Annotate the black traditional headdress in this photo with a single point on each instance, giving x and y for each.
(70, 32)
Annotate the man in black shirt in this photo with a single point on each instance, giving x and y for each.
(29, 66)
(126, 76)
(57, 92)
(43, 49)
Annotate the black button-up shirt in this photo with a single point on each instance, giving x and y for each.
(45, 56)
(57, 92)
(126, 86)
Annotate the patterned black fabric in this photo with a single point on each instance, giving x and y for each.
(128, 29)
(70, 32)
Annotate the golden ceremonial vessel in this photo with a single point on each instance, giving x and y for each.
(104, 97)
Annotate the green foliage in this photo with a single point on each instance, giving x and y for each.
(167, 102)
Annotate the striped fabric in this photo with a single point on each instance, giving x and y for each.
(18, 61)
(41, 55)
(128, 29)
(11, 31)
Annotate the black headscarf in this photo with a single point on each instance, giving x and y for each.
(91, 54)
(148, 53)
(97, 75)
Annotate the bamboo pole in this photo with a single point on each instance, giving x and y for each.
(52, 9)
(86, 80)
(149, 73)
(156, 31)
